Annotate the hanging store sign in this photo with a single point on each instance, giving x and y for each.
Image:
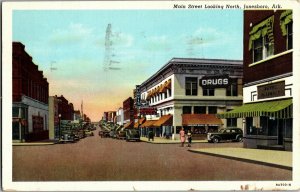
(220, 81)
(148, 111)
(271, 90)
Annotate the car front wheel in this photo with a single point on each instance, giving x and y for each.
(216, 140)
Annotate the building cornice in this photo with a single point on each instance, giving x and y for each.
(187, 65)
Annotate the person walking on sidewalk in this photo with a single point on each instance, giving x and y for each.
(189, 136)
(182, 136)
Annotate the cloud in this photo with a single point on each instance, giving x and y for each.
(157, 43)
(73, 34)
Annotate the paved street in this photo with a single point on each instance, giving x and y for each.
(104, 159)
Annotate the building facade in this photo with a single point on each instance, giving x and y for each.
(53, 118)
(268, 80)
(185, 87)
(120, 116)
(128, 109)
(65, 109)
(30, 98)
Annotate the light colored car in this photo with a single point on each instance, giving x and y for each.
(88, 132)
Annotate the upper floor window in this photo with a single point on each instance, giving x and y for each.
(186, 110)
(208, 92)
(289, 36)
(191, 86)
(261, 40)
(232, 89)
(286, 24)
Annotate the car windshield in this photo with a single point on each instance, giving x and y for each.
(221, 130)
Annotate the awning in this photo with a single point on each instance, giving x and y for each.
(148, 123)
(165, 120)
(128, 125)
(279, 109)
(262, 29)
(167, 85)
(139, 122)
(285, 18)
(200, 120)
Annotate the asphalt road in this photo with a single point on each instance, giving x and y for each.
(106, 159)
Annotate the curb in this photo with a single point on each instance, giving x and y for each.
(32, 144)
(244, 160)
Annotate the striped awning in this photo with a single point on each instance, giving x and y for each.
(139, 122)
(148, 123)
(129, 125)
(165, 120)
(281, 109)
(200, 120)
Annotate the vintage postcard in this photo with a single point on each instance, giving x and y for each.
(150, 95)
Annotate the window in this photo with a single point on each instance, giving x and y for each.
(15, 112)
(212, 110)
(191, 86)
(186, 110)
(263, 47)
(199, 110)
(208, 92)
(232, 122)
(289, 36)
(231, 90)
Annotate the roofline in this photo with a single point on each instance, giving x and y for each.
(200, 61)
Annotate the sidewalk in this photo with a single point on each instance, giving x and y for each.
(36, 143)
(159, 140)
(279, 159)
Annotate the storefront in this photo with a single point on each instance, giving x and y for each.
(201, 124)
(267, 124)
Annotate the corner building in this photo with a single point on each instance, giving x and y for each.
(190, 92)
(30, 98)
(268, 80)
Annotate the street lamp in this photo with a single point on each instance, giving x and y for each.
(59, 132)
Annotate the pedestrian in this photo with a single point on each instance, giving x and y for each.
(182, 136)
(189, 136)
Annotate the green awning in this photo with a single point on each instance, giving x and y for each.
(285, 18)
(280, 109)
(262, 29)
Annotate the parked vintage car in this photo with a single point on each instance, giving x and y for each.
(68, 136)
(132, 134)
(88, 132)
(232, 134)
(104, 134)
(121, 135)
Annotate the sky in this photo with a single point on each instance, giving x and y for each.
(141, 42)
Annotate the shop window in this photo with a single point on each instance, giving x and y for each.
(289, 128)
(208, 92)
(263, 129)
(191, 86)
(16, 131)
(212, 110)
(15, 111)
(186, 110)
(199, 110)
(249, 125)
(272, 127)
(231, 90)
(232, 122)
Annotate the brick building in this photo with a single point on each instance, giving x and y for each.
(65, 109)
(30, 98)
(268, 80)
(128, 110)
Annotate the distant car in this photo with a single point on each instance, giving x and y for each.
(68, 136)
(88, 132)
(121, 135)
(132, 134)
(232, 134)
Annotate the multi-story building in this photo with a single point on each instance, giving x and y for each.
(30, 98)
(268, 79)
(65, 109)
(77, 115)
(53, 117)
(185, 92)
(128, 109)
(120, 116)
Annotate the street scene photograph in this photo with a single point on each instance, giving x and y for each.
(143, 95)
